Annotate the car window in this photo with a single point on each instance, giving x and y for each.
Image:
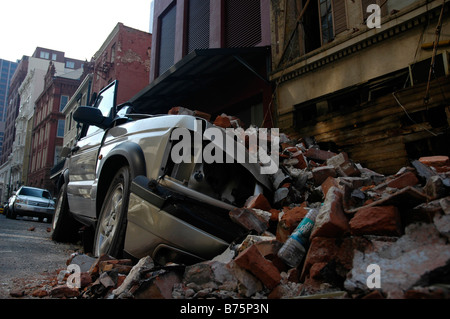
(31, 192)
(46, 195)
(104, 103)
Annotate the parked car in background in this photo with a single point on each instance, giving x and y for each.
(33, 202)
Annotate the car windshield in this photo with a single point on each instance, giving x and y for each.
(35, 193)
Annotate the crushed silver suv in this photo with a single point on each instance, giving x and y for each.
(121, 182)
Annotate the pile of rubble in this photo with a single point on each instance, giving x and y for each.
(375, 236)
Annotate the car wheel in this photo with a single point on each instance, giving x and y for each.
(11, 214)
(65, 227)
(111, 225)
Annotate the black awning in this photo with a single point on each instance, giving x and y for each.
(203, 73)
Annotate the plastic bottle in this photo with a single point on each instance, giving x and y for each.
(293, 250)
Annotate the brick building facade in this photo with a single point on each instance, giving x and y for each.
(124, 56)
(48, 126)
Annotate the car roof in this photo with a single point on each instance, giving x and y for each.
(29, 187)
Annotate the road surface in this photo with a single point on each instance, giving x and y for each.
(27, 253)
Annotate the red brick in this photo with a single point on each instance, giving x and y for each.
(435, 161)
(320, 174)
(331, 221)
(174, 111)
(377, 220)
(222, 121)
(274, 215)
(329, 182)
(302, 161)
(160, 287)
(64, 292)
(258, 202)
(343, 165)
(39, 293)
(404, 180)
(252, 260)
(324, 250)
(314, 272)
(247, 218)
(289, 221)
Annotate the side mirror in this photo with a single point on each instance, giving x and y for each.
(91, 116)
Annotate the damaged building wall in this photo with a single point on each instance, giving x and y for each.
(324, 89)
(125, 56)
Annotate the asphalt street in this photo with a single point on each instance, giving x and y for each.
(27, 253)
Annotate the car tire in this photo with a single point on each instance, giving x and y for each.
(11, 214)
(65, 227)
(111, 225)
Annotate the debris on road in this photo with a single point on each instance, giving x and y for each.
(394, 227)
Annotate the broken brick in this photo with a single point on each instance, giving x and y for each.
(222, 121)
(122, 266)
(289, 221)
(320, 155)
(302, 162)
(39, 293)
(336, 251)
(331, 221)
(404, 180)
(258, 202)
(159, 287)
(435, 161)
(435, 188)
(248, 283)
(252, 260)
(327, 184)
(249, 219)
(343, 165)
(64, 292)
(274, 213)
(17, 293)
(320, 174)
(379, 220)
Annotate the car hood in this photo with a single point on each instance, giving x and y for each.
(36, 199)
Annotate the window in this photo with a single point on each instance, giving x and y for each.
(54, 56)
(104, 103)
(326, 21)
(70, 65)
(57, 157)
(243, 23)
(167, 40)
(199, 20)
(113, 53)
(63, 102)
(44, 55)
(61, 124)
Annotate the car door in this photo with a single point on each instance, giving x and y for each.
(81, 188)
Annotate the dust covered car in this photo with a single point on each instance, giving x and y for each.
(122, 182)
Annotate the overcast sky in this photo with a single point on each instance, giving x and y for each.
(77, 28)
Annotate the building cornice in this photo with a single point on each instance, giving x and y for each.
(360, 40)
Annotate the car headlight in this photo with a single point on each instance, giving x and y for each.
(21, 201)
